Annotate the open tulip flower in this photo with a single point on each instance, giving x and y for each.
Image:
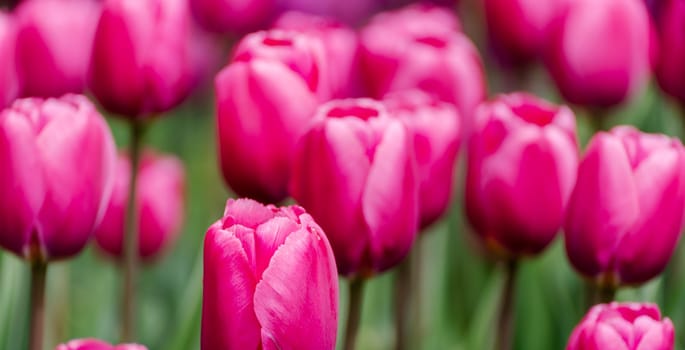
(270, 281)
(95, 344)
(623, 326)
(626, 212)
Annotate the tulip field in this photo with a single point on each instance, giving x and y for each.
(341, 175)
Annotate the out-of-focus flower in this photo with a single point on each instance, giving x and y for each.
(265, 100)
(436, 126)
(9, 86)
(350, 11)
(269, 281)
(57, 157)
(355, 172)
(238, 16)
(54, 45)
(142, 62)
(159, 200)
(629, 326)
(522, 162)
(670, 71)
(95, 344)
(599, 51)
(626, 212)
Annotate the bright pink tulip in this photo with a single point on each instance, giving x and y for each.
(54, 45)
(522, 161)
(9, 86)
(95, 344)
(626, 211)
(340, 46)
(623, 326)
(599, 51)
(349, 11)
(269, 281)
(518, 29)
(239, 16)
(161, 182)
(436, 127)
(355, 172)
(670, 71)
(420, 18)
(142, 60)
(57, 157)
(265, 100)
(411, 53)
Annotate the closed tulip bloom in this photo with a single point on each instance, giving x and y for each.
(626, 211)
(142, 62)
(670, 71)
(522, 162)
(95, 344)
(623, 326)
(57, 157)
(269, 281)
(433, 58)
(599, 51)
(237, 16)
(355, 172)
(351, 11)
(265, 100)
(159, 199)
(54, 45)
(436, 127)
(420, 18)
(9, 84)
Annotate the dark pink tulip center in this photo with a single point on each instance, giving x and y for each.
(275, 41)
(361, 112)
(433, 41)
(535, 114)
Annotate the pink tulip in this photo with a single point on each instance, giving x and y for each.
(265, 99)
(670, 71)
(424, 53)
(599, 51)
(626, 211)
(142, 60)
(623, 326)
(57, 157)
(269, 281)
(95, 344)
(522, 161)
(161, 182)
(354, 171)
(518, 29)
(436, 127)
(415, 19)
(238, 16)
(9, 85)
(349, 11)
(340, 46)
(54, 45)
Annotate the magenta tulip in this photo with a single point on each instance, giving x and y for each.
(238, 16)
(522, 161)
(57, 157)
(269, 281)
(142, 62)
(161, 182)
(436, 127)
(354, 171)
(623, 326)
(9, 84)
(670, 71)
(265, 99)
(433, 57)
(95, 344)
(599, 51)
(349, 11)
(626, 211)
(54, 45)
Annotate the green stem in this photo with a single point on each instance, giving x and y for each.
(39, 271)
(403, 301)
(605, 294)
(505, 323)
(355, 313)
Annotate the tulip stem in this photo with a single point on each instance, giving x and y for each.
(505, 323)
(605, 294)
(131, 237)
(355, 313)
(402, 304)
(39, 271)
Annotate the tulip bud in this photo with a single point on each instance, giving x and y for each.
(626, 211)
(670, 71)
(599, 51)
(522, 161)
(436, 127)
(265, 99)
(95, 344)
(54, 45)
(9, 86)
(57, 157)
(408, 53)
(629, 326)
(269, 281)
(142, 62)
(354, 171)
(159, 200)
(240, 16)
